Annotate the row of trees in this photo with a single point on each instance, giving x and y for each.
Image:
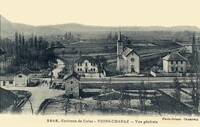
(69, 37)
(33, 53)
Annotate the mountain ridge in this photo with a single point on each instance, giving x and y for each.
(9, 28)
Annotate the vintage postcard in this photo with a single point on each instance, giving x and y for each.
(99, 63)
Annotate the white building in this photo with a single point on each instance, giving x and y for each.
(7, 81)
(25, 76)
(174, 62)
(22, 78)
(87, 66)
(128, 61)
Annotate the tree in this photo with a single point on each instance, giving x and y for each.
(35, 43)
(195, 84)
(177, 86)
(115, 37)
(142, 96)
(129, 42)
(102, 61)
(106, 49)
(109, 36)
(67, 106)
(16, 43)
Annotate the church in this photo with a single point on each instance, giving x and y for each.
(128, 60)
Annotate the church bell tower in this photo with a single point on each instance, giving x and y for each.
(119, 45)
(119, 52)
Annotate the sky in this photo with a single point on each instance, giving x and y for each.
(103, 12)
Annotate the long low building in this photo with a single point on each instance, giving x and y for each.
(7, 81)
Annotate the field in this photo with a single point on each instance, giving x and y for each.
(150, 51)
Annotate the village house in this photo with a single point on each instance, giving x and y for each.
(128, 60)
(23, 77)
(87, 66)
(7, 81)
(71, 85)
(174, 62)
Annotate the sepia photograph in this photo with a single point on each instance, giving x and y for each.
(99, 63)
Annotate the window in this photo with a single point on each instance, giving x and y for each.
(71, 89)
(4, 83)
(181, 68)
(94, 69)
(86, 64)
(78, 69)
(71, 82)
(181, 62)
(176, 62)
(132, 68)
(20, 76)
(79, 64)
(92, 64)
(132, 59)
(171, 62)
(132, 53)
(10, 82)
(91, 69)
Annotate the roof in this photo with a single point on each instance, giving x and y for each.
(25, 72)
(72, 74)
(127, 51)
(81, 59)
(115, 95)
(6, 78)
(174, 57)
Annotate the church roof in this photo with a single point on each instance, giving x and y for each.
(127, 51)
(174, 57)
(81, 59)
(72, 74)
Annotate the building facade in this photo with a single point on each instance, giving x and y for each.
(71, 85)
(22, 78)
(87, 66)
(174, 62)
(128, 60)
(7, 81)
